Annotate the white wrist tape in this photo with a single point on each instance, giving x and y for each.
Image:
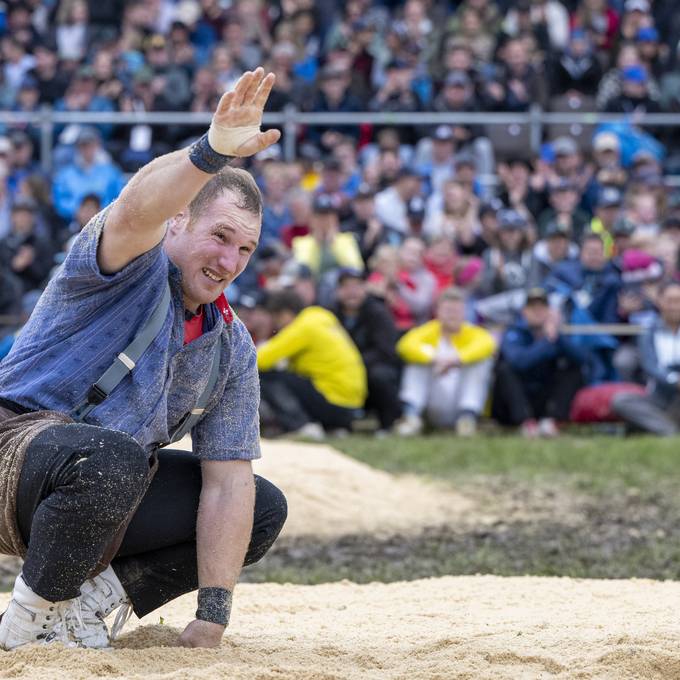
(228, 140)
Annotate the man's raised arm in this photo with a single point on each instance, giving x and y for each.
(166, 186)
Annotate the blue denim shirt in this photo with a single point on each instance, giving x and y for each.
(85, 318)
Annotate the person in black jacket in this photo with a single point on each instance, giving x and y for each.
(372, 329)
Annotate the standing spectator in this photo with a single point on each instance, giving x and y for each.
(439, 168)
(448, 369)
(92, 172)
(658, 411)
(324, 382)
(538, 373)
(370, 325)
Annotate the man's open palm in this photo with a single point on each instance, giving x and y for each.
(242, 107)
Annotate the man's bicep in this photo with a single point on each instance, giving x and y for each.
(121, 243)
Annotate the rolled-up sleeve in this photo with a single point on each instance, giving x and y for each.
(231, 429)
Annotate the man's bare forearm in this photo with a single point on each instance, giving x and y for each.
(225, 523)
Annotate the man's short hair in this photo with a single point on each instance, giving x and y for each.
(239, 182)
(451, 294)
(285, 301)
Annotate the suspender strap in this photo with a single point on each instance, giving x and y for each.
(124, 363)
(191, 418)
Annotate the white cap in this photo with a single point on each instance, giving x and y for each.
(637, 6)
(606, 141)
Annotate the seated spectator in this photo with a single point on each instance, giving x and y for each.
(554, 248)
(436, 158)
(440, 258)
(564, 197)
(577, 68)
(448, 369)
(506, 266)
(276, 214)
(391, 204)
(634, 95)
(29, 253)
(324, 379)
(326, 248)
(92, 172)
(370, 325)
(607, 211)
(588, 289)
(416, 285)
(538, 372)
(659, 410)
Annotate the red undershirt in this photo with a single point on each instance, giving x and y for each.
(194, 327)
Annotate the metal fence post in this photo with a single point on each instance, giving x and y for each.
(289, 132)
(46, 138)
(535, 128)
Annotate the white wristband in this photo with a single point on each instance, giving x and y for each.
(228, 140)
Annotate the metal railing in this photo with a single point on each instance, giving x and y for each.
(291, 118)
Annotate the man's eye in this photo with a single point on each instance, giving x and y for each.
(245, 250)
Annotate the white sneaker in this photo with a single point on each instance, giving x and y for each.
(466, 425)
(99, 597)
(409, 426)
(29, 618)
(548, 428)
(312, 431)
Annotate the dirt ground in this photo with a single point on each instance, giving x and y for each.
(474, 627)
(479, 628)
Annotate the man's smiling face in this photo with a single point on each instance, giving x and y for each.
(212, 248)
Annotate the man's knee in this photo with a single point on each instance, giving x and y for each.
(116, 473)
(271, 511)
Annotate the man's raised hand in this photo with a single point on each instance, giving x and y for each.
(235, 127)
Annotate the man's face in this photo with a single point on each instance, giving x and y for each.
(451, 314)
(23, 221)
(535, 313)
(558, 247)
(351, 294)
(212, 249)
(564, 201)
(669, 305)
(592, 254)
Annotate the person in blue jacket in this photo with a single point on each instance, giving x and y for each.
(538, 372)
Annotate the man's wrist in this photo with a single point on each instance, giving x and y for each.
(214, 605)
(205, 158)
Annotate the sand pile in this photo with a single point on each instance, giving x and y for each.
(454, 627)
(330, 494)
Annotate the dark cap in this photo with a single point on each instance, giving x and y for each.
(458, 78)
(491, 207)
(556, 229)
(350, 273)
(324, 203)
(563, 184)
(333, 164)
(537, 295)
(565, 146)
(623, 227)
(23, 203)
(397, 64)
(511, 219)
(257, 298)
(464, 158)
(87, 135)
(364, 190)
(634, 74)
(416, 207)
(609, 197)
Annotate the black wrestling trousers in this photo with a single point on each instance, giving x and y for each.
(77, 485)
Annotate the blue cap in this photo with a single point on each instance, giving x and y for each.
(635, 74)
(647, 34)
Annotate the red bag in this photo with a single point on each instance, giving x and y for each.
(593, 404)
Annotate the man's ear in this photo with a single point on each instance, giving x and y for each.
(178, 223)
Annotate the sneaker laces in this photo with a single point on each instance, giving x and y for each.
(122, 617)
(69, 623)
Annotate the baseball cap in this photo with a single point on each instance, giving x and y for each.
(623, 227)
(563, 184)
(606, 141)
(364, 190)
(416, 207)
(464, 158)
(564, 146)
(87, 135)
(23, 203)
(636, 6)
(609, 197)
(537, 295)
(324, 203)
(491, 206)
(458, 78)
(635, 74)
(511, 219)
(557, 229)
(350, 273)
(443, 133)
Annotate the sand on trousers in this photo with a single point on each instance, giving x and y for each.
(475, 627)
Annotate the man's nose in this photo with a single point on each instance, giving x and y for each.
(228, 260)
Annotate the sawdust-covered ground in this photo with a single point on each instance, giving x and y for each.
(452, 627)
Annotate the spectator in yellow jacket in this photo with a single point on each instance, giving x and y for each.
(312, 376)
(448, 369)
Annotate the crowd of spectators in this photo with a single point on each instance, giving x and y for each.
(451, 255)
